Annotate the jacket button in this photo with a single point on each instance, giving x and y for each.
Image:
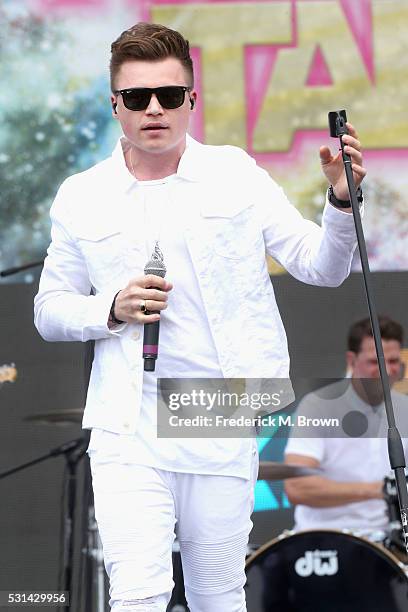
(126, 425)
(135, 335)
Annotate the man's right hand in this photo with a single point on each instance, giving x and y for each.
(139, 291)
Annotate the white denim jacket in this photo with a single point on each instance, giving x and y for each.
(237, 214)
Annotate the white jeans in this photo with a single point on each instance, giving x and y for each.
(138, 510)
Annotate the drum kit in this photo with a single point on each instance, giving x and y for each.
(325, 569)
(308, 571)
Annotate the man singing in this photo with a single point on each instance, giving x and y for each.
(211, 213)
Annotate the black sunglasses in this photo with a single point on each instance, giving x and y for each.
(138, 98)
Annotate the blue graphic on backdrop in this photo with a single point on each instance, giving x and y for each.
(271, 495)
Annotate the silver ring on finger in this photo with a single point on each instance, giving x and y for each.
(143, 306)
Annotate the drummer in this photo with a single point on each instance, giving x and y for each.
(353, 457)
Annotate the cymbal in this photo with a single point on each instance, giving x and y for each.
(270, 470)
(58, 417)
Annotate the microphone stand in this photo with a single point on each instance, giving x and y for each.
(337, 122)
(73, 452)
(11, 271)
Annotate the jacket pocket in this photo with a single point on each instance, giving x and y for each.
(234, 235)
(105, 251)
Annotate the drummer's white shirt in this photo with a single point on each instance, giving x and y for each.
(346, 459)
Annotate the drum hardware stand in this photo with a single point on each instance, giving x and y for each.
(338, 128)
(73, 452)
(95, 552)
(92, 575)
(393, 539)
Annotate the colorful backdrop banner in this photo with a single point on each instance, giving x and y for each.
(267, 73)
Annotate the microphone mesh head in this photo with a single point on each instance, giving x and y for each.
(155, 265)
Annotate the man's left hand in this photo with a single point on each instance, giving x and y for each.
(333, 166)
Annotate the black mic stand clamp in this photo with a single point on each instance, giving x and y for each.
(338, 128)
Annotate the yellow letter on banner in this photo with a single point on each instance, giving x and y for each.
(221, 31)
(379, 110)
(289, 104)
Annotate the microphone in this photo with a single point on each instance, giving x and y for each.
(155, 266)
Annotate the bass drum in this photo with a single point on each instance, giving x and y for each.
(322, 571)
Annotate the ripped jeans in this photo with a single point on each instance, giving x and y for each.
(139, 509)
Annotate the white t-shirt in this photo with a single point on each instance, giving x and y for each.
(347, 459)
(186, 350)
